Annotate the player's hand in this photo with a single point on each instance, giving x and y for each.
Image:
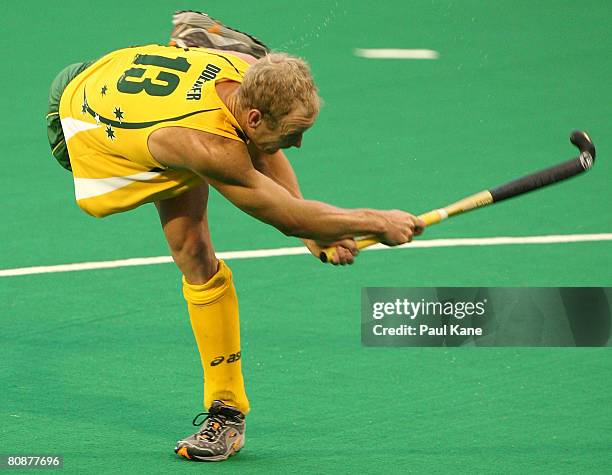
(401, 227)
(346, 250)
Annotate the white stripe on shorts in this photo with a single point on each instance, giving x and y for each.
(90, 187)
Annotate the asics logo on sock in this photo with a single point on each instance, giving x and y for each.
(230, 359)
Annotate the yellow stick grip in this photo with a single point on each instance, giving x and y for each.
(477, 200)
(432, 217)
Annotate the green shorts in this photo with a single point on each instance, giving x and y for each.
(54, 125)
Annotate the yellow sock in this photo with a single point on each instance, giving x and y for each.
(213, 311)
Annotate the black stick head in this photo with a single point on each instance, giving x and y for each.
(581, 140)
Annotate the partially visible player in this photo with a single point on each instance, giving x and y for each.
(162, 123)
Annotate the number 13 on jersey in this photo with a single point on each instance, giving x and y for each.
(166, 82)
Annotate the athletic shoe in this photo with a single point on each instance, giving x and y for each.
(221, 435)
(198, 29)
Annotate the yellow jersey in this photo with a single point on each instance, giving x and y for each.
(109, 110)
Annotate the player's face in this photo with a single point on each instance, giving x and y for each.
(287, 133)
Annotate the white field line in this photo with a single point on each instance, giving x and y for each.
(290, 251)
(396, 53)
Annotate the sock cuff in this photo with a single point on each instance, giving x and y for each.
(211, 291)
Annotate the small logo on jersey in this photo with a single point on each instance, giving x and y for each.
(118, 114)
(210, 72)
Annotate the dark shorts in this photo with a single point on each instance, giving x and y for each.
(54, 125)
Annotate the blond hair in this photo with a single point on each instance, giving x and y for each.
(276, 85)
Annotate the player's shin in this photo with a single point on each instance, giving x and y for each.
(213, 311)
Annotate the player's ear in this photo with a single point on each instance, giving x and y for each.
(254, 118)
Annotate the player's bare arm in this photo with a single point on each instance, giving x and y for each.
(277, 167)
(227, 166)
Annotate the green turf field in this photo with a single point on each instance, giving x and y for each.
(100, 365)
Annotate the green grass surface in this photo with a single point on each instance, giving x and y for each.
(100, 366)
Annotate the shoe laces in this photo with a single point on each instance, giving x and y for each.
(212, 425)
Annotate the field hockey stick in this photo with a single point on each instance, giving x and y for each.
(523, 185)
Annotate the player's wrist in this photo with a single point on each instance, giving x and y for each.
(373, 221)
